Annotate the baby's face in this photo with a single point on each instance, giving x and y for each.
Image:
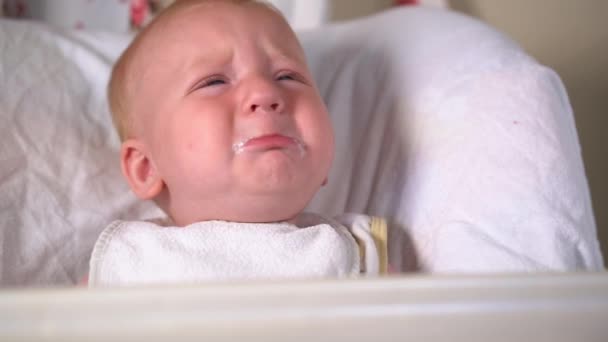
(231, 119)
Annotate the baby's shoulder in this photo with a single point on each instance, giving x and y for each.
(362, 221)
(364, 225)
(370, 233)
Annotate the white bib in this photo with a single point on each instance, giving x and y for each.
(138, 252)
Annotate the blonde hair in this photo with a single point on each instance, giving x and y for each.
(120, 89)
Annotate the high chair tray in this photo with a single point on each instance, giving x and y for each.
(546, 307)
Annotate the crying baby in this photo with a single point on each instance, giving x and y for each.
(224, 129)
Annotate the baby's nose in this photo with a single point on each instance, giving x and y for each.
(264, 97)
(274, 106)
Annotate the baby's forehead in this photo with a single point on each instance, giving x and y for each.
(165, 39)
(178, 26)
(208, 13)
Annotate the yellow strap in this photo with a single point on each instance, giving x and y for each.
(378, 229)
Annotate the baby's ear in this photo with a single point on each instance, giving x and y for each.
(140, 171)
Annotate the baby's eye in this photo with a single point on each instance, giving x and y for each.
(211, 82)
(287, 77)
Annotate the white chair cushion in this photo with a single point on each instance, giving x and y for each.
(469, 145)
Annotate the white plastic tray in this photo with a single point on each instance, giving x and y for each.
(555, 307)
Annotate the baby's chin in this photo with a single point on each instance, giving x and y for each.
(243, 204)
(269, 207)
(274, 173)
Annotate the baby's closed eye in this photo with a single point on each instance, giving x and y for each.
(291, 76)
(211, 81)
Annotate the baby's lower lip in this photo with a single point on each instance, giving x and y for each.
(269, 141)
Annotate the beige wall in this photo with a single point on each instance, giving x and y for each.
(572, 38)
(348, 9)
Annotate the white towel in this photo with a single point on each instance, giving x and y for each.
(138, 252)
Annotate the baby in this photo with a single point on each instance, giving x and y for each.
(223, 127)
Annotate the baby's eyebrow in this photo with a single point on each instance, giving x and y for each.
(289, 56)
(201, 62)
(212, 58)
(288, 50)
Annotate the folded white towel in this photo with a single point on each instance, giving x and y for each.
(137, 252)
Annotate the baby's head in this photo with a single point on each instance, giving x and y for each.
(219, 115)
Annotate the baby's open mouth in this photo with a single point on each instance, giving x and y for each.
(267, 142)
